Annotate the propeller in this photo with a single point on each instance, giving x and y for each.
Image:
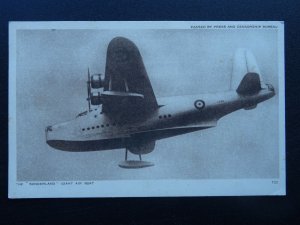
(89, 89)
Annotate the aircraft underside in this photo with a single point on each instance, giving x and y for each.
(118, 143)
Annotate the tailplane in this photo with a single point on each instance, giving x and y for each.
(246, 78)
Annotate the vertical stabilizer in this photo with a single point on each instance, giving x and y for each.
(246, 77)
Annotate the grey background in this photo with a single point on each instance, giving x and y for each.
(51, 88)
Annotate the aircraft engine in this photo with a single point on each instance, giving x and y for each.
(141, 147)
(97, 81)
(96, 98)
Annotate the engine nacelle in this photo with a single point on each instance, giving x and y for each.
(141, 147)
(96, 98)
(97, 81)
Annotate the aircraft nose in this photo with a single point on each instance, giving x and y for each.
(51, 132)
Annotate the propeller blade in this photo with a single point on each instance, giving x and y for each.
(89, 89)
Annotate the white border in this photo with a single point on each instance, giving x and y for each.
(141, 188)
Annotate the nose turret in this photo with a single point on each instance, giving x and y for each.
(48, 128)
(52, 135)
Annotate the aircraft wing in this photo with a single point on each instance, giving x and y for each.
(127, 89)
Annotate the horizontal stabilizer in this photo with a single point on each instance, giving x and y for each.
(250, 84)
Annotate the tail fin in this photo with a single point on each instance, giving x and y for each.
(246, 78)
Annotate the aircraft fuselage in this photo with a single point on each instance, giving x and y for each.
(94, 130)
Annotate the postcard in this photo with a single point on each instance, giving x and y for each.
(144, 109)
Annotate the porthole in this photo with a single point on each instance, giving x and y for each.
(93, 127)
(97, 126)
(95, 116)
(160, 117)
(102, 125)
(107, 125)
(165, 116)
(83, 129)
(169, 115)
(88, 128)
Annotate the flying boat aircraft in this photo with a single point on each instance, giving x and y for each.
(128, 115)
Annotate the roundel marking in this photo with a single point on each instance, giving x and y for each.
(199, 104)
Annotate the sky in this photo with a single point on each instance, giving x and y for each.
(51, 67)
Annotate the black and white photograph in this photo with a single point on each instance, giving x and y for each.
(141, 109)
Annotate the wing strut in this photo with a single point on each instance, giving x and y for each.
(89, 89)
